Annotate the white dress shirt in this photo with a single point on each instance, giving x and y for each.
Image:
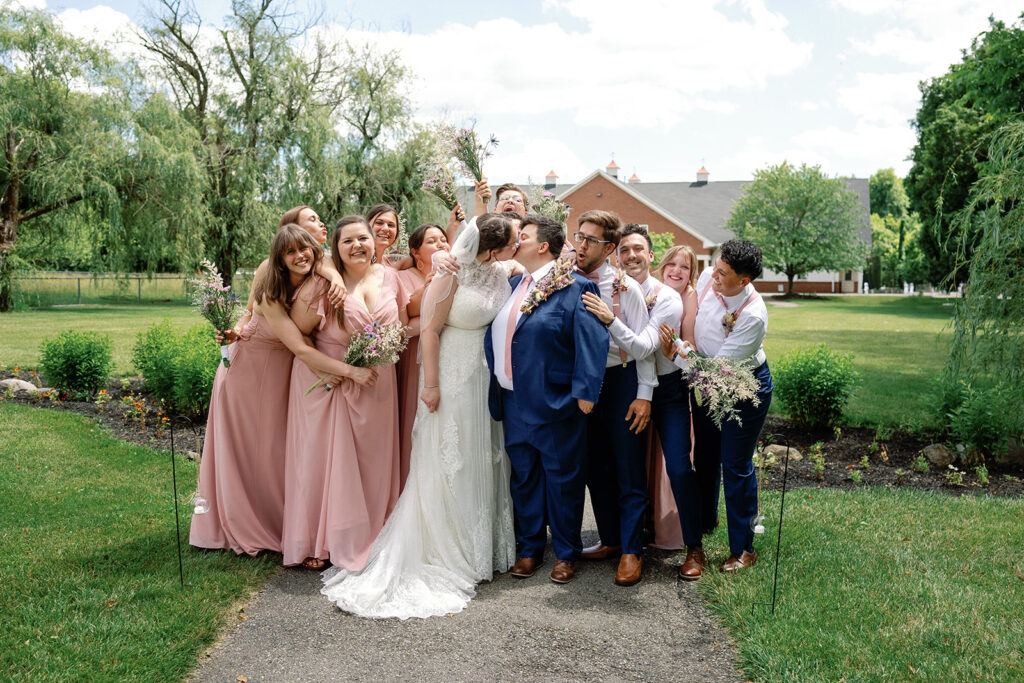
(633, 313)
(745, 341)
(668, 309)
(500, 324)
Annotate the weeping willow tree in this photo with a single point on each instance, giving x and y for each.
(986, 363)
(85, 149)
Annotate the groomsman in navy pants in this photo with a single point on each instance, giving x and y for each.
(546, 355)
(617, 445)
(731, 322)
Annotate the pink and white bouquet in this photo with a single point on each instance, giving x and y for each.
(215, 301)
(549, 207)
(441, 184)
(470, 152)
(718, 383)
(373, 345)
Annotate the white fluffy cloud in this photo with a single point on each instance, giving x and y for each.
(673, 57)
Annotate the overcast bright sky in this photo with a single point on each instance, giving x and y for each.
(660, 86)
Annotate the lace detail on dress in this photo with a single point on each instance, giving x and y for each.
(452, 526)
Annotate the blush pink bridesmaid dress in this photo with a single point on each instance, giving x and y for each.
(408, 371)
(241, 474)
(343, 447)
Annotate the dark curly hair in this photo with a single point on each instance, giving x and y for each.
(743, 257)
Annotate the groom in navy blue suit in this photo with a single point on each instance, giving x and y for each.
(547, 364)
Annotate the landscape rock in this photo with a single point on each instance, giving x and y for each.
(939, 455)
(18, 385)
(1014, 454)
(779, 451)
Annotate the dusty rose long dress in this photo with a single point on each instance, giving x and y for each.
(242, 471)
(343, 473)
(305, 456)
(408, 370)
(668, 534)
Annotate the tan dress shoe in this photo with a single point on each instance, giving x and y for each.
(734, 564)
(630, 569)
(693, 567)
(601, 552)
(563, 571)
(525, 567)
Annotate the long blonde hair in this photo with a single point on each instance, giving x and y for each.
(671, 254)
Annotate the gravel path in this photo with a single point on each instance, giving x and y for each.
(521, 630)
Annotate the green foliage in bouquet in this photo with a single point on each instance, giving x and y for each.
(815, 384)
(77, 362)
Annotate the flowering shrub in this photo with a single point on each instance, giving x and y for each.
(815, 384)
(77, 363)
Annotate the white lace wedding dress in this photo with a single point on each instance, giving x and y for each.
(452, 526)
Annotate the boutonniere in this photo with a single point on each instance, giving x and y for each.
(729, 320)
(559, 277)
(619, 284)
(649, 300)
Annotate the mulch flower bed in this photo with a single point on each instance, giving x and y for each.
(132, 416)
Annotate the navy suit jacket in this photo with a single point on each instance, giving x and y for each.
(559, 352)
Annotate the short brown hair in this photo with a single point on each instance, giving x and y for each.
(514, 188)
(608, 221)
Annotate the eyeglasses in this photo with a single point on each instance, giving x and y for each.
(580, 238)
(515, 199)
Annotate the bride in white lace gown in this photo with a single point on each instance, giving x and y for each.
(452, 525)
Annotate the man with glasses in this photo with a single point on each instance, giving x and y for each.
(616, 444)
(510, 198)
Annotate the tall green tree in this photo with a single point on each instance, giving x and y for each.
(72, 142)
(958, 113)
(895, 233)
(802, 220)
(267, 110)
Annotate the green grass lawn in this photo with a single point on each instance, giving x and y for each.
(22, 332)
(899, 345)
(876, 585)
(90, 584)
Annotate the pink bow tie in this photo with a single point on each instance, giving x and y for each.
(592, 276)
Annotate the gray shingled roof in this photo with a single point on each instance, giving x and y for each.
(705, 206)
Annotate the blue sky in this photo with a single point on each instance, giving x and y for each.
(664, 86)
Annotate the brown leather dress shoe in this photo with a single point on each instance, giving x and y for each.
(734, 564)
(631, 568)
(525, 567)
(693, 567)
(563, 571)
(601, 552)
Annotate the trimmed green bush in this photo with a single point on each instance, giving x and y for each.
(983, 421)
(194, 369)
(178, 367)
(153, 357)
(815, 384)
(78, 363)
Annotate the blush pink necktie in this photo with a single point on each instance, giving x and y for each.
(513, 317)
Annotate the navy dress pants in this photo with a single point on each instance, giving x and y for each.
(618, 466)
(670, 412)
(548, 481)
(726, 456)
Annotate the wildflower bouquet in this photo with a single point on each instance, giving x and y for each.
(215, 301)
(549, 207)
(440, 183)
(373, 345)
(719, 383)
(470, 153)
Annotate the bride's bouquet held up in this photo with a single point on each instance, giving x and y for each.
(441, 184)
(470, 152)
(215, 301)
(373, 345)
(718, 383)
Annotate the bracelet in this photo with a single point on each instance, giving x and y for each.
(430, 386)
